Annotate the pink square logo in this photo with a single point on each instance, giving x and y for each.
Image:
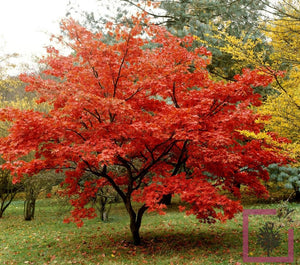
(246, 257)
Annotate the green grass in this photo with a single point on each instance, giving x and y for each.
(168, 239)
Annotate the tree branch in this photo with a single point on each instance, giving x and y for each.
(79, 134)
(149, 13)
(285, 91)
(173, 96)
(121, 65)
(95, 115)
(146, 169)
(126, 164)
(180, 159)
(131, 96)
(104, 174)
(141, 211)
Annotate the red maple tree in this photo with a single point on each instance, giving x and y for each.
(140, 112)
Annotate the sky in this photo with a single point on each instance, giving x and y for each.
(26, 26)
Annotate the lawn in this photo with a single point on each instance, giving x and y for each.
(173, 238)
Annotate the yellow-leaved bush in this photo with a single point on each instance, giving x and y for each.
(281, 53)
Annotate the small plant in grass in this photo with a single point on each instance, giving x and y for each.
(269, 236)
(285, 214)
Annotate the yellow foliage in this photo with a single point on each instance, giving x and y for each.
(243, 49)
(285, 112)
(283, 36)
(283, 146)
(25, 103)
(285, 108)
(12, 94)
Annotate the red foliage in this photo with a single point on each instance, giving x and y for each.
(142, 102)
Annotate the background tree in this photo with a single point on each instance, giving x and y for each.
(6, 64)
(283, 105)
(12, 94)
(201, 18)
(104, 197)
(146, 105)
(8, 191)
(288, 175)
(34, 185)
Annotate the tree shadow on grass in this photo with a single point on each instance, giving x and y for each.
(164, 242)
(182, 241)
(159, 245)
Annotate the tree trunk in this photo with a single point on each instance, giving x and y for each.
(238, 185)
(135, 221)
(166, 199)
(104, 212)
(135, 225)
(33, 208)
(5, 201)
(297, 197)
(135, 231)
(2, 209)
(101, 206)
(29, 208)
(100, 203)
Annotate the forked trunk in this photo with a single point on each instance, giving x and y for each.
(135, 221)
(135, 231)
